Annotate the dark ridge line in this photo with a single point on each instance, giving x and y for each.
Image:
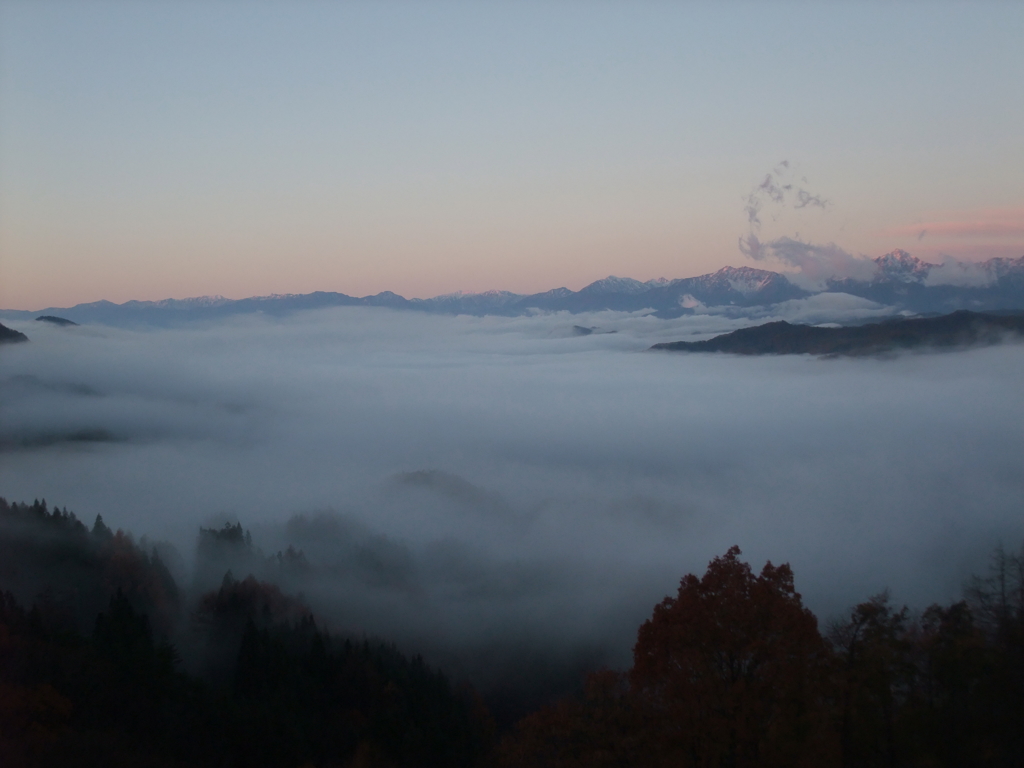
(11, 336)
(62, 321)
(957, 330)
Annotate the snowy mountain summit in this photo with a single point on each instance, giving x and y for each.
(900, 267)
(613, 284)
(746, 280)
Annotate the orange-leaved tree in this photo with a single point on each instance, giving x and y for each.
(729, 673)
(733, 672)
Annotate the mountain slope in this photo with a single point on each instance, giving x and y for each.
(959, 329)
(11, 336)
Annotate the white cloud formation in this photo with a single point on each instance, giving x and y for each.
(961, 273)
(779, 188)
(815, 264)
(589, 475)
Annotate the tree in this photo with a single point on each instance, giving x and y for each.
(599, 730)
(733, 672)
(729, 673)
(997, 604)
(877, 677)
(955, 725)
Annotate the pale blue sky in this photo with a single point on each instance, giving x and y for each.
(169, 149)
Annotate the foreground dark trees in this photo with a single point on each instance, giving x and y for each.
(295, 696)
(268, 686)
(731, 672)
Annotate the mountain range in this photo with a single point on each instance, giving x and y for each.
(900, 281)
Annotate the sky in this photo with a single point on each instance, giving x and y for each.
(153, 150)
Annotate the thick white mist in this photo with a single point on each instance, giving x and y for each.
(574, 478)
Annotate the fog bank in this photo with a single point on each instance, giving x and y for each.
(459, 481)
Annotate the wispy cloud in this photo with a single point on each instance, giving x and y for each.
(779, 188)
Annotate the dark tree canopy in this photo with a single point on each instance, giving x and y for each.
(731, 671)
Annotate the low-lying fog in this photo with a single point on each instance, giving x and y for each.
(464, 481)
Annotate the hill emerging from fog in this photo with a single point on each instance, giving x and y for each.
(958, 329)
(11, 336)
(899, 281)
(60, 321)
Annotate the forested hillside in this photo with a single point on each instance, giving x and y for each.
(266, 686)
(105, 659)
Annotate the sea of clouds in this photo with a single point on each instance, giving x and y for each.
(471, 483)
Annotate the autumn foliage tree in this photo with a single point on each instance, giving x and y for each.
(599, 730)
(877, 677)
(731, 672)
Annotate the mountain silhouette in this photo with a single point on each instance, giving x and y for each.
(958, 329)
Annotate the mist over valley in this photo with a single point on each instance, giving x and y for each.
(504, 488)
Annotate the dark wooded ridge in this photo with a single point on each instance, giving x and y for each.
(958, 329)
(9, 335)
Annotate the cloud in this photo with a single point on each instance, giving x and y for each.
(473, 486)
(982, 233)
(778, 189)
(961, 273)
(815, 264)
(805, 198)
(827, 308)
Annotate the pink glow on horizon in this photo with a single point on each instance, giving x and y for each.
(990, 223)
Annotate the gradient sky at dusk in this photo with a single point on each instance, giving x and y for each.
(170, 149)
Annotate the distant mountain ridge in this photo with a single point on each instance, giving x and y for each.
(900, 280)
(906, 282)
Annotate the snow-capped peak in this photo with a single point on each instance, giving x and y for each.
(744, 280)
(612, 284)
(190, 303)
(900, 266)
